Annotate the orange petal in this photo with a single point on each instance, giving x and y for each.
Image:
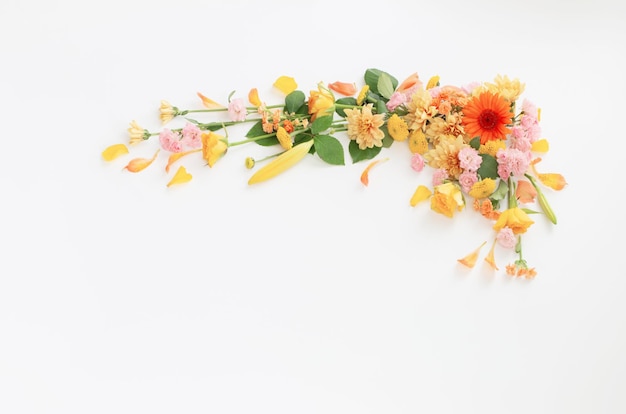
(253, 97)
(365, 175)
(540, 145)
(553, 180)
(343, 88)
(114, 151)
(491, 257)
(525, 192)
(209, 103)
(422, 193)
(176, 156)
(181, 177)
(138, 164)
(286, 84)
(470, 259)
(409, 82)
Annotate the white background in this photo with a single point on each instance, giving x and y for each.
(309, 293)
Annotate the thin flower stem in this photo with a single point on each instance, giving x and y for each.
(250, 109)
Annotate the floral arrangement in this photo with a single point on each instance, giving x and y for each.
(480, 140)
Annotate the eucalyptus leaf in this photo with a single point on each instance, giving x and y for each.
(329, 149)
(358, 154)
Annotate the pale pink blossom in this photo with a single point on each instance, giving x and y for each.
(512, 161)
(519, 139)
(439, 176)
(192, 136)
(506, 238)
(237, 110)
(469, 159)
(417, 162)
(170, 140)
(469, 88)
(530, 109)
(467, 179)
(396, 99)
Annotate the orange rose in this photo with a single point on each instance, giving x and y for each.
(321, 102)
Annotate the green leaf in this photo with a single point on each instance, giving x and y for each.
(501, 192)
(388, 140)
(488, 167)
(321, 124)
(372, 76)
(257, 131)
(380, 106)
(384, 85)
(304, 137)
(294, 101)
(344, 101)
(475, 143)
(358, 154)
(529, 211)
(329, 149)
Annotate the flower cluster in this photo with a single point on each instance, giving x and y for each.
(481, 140)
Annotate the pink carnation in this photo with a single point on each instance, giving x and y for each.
(467, 179)
(512, 161)
(469, 159)
(506, 238)
(519, 139)
(237, 110)
(417, 162)
(192, 136)
(396, 99)
(170, 141)
(469, 88)
(439, 175)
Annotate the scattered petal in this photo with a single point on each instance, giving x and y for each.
(176, 156)
(365, 175)
(283, 162)
(181, 177)
(114, 151)
(343, 88)
(209, 103)
(422, 193)
(470, 259)
(525, 192)
(540, 145)
(253, 97)
(491, 257)
(409, 82)
(432, 82)
(138, 164)
(553, 180)
(286, 84)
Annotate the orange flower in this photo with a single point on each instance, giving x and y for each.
(486, 209)
(515, 218)
(321, 102)
(343, 88)
(470, 259)
(487, 116)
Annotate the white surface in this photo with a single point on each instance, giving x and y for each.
(309, 293)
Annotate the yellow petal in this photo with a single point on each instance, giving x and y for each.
(253, 97)
(432, 82)
(470, 259)
(491, 257)
(286, 84)
(138, 164)
(540, 145)
(176, 156)
(281, 163)
(209, 103)
(553, 180)
(181, 177)
(365, 175)
(422, 193)
(114, 151)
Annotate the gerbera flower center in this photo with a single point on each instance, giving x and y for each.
(488, 119)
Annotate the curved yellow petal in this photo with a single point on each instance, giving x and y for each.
(175, 156)
(422, 193)
(138, 164)
(470, 259)
(286, 84)
(553, 180)
(432, 82)
(114, 151)
(209, 103)
(491, 259)
(281, 163)
(365, 175)
(540, 145)
(181, 177)
(253, 97)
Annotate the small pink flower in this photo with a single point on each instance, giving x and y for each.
(192, 136)
(469, 88)
(170, 140)
(512, 161)
(469, 159)
(439, 175)
(396, 99)
(530, 109)
(417, 162)
(467, 179)
(506, 238)
(237, 110)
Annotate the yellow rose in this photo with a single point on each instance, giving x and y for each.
(514, 218)
(321, 102)
(447, 198)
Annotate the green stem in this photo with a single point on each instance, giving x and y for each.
(512, 198)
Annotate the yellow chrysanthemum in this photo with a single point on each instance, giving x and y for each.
(506, 88)
(417, 142)
(364, 127)
(419, 109)
(492, 147)
(362, 94)
(398, 129)
(483, 188)
(446, 155)
(284, 138)
(441, 129)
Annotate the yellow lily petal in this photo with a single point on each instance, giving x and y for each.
(365, 175)
(286, 84)
(432, 82)
(422, 193)
(209, 103)
(470, 259)
(540, 145)
(181, 177)
(138, 164)
(114, 151)
(553, 180)
(281, 163)
(491, 257)
(178, 155)
(253, 97)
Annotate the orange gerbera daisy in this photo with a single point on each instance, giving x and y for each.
(487, 116)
